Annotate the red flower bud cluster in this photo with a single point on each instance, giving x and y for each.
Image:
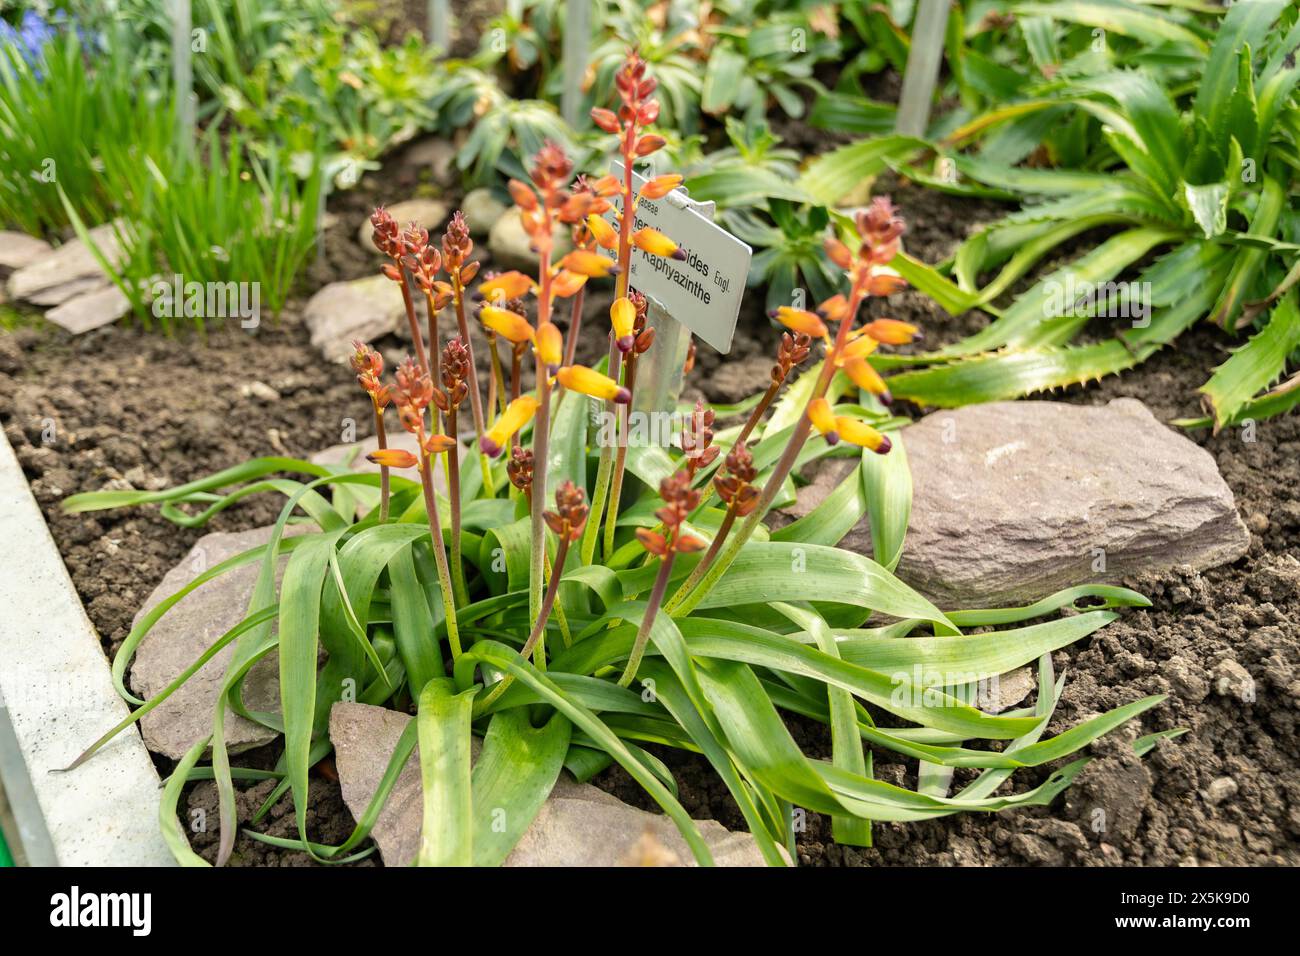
(793, 350)
(697, 439)
(520, 468)
(680, 499)
(735, 486)
(454, 368)
(369, 366)
(570, 514)
(638, 107)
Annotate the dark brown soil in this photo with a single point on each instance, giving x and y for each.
(129, 407)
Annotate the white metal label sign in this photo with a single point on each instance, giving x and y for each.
(704, 291)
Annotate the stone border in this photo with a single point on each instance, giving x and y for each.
(57, 696)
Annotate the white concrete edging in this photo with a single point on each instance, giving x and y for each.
(58, 697)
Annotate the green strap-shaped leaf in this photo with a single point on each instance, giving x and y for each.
(887, 484)
(846, 742)
(513, 776)
(446, 838)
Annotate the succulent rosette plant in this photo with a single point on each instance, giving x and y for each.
(579, 600)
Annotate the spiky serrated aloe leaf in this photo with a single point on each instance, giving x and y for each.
(1249, 261)
(833, 175)
(1016, 373)
(1154, 121)
(1255, 365)
(1055, 297)
(1273, 402)
(1128, 20)
(1246, 23)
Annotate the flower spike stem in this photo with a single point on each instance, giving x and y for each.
(497, 400)
(620, 460)
(439, 553)
(575, 323)
(647, 621)
(475, 401)
(416, 335)
(381, 437)
(451, 465)
(604, 470)
(539, 627)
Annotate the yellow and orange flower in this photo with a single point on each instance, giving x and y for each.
(800, 320)
(655, 243)
(517, 414)
(861, 434)
(579, 378)
(587, 263)
(549, 343)
(506, 286)
(393, 458)
(511, 326)
(622, 317)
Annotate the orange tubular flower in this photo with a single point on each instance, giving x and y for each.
(862, 434)
(868, 379)
(506, 286)
(622, 316)
(437, 444)
(549, 344)
(661, 186)
(579, 378)
(656, 243)
(511, 326)
(835, 308)
(819, 411)
(566, 284)
(606, 236)
(393, 458)
(799, 320)
(591, 264)
(891, 331)
(517, 414)
(858, 348)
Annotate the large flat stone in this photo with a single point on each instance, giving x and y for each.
(361, 309)
(189, 629)
(90, 310)
(17, 249)
(1015, 500)
(70, 267)
(579, 825)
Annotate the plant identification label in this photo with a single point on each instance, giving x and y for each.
(704, 291)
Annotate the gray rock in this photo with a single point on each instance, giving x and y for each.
(1015, 500)
(1233, 680)
(189, 629)
(70, 267)
(359, 309)
(1007, 691)
(1221, 789)
(17, 249)
(90, 310)
(429, 213)
(482, 210)
(511, 247)
(578, 825)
